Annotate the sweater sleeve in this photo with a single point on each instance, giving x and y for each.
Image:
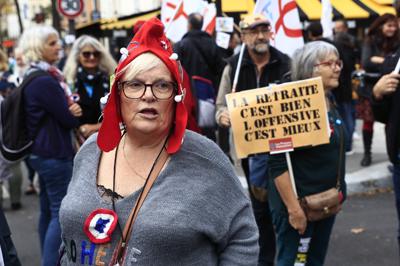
(242, 248)
(48, 95)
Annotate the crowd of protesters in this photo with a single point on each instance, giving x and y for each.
(65, 107)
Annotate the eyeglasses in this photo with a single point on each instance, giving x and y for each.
(255, 32)
(332, 64)
(135, 89)
(87, 54)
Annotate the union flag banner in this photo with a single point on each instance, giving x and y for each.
(174, 15)
(285, 22)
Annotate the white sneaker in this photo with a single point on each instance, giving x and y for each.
(356, 136)
(350, 152)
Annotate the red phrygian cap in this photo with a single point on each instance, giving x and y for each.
(150, 38)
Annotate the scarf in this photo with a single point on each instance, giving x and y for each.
(58, 75)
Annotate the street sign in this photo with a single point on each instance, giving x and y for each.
(70, 8)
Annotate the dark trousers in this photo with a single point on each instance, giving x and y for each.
(313, 244)
(258, 178)
(266, 231)
(348, 114)
(396, 187)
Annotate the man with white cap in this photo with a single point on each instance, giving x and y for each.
(261, 66)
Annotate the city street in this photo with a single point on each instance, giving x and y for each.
(364, 233)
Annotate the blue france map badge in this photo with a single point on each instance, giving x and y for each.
(99, 225)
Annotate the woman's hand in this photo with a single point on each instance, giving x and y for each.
(386, 85)
(75, 110)
(298, 219)
(377, 59)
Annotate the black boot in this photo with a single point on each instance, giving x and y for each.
(367, 140)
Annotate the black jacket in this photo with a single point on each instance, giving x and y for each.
(8, 251)
(387, 111)
(200, 56)
(90, 104)
(273, 72)
(347, 53)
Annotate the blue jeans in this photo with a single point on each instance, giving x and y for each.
(54, 177)
(348, 114)
(288, 240)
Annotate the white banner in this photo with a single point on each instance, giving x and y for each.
(326, 19)
(285, 22)
(177, 12)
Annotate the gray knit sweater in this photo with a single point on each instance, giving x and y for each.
(196, 213)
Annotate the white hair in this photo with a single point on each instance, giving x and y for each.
(33, 41)
(141, 64)
(304, 59)
(107, 64)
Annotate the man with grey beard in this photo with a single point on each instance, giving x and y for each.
(262, 65)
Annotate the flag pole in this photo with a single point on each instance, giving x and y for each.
(172, 17)
(237, 71)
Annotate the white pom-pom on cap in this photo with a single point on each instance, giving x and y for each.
(173, 56)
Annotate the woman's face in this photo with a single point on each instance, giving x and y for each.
(328, 69)
(389, 28)
(148, 115)
(51, 49)
(89, 57)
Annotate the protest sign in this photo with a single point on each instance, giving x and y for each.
(224, 24)
(279, 118)
(222, 39)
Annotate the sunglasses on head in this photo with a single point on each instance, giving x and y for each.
(87, 54)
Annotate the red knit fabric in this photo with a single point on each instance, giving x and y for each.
(150, 38)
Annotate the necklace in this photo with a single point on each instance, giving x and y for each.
(129, 223)
(127, 162)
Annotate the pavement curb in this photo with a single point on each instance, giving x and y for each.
(369, 179)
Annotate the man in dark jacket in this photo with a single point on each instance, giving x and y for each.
(261, 65)
(386, 108)
(200, 57)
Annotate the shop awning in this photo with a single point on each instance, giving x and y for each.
(311, 9)
(348, 9)
(128, 23)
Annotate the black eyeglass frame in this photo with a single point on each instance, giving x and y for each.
(87, 54)
(121, 87)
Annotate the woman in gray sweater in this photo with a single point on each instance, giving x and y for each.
(195, 213)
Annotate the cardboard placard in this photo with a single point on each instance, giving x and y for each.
(224, 24)
(222, 39)
(279, 118)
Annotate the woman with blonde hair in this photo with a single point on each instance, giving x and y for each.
(50, 116)
(87, 72)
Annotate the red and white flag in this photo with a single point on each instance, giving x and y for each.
(285, 22)
(174, 15)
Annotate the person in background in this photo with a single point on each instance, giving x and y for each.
(386, 107)
(347, 47)
(9, 256)
(262, 65)
(200, 57)
(51, 116)
(18, 75)
(9, 171)
(87, 71)
(184, 218)
(315, 169)
(382, 40)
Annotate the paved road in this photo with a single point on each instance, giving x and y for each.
(375, 214)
